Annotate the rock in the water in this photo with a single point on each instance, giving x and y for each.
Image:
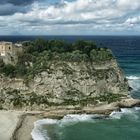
(129, 103)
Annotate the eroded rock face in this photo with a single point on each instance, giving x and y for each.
(64, 83)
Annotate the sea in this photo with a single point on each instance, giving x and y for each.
(124, 125)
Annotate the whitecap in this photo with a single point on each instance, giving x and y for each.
(116, 115)
(133, 77)
(134, 82)
(77, 118)
(137, 108)
(73, 119)
(131, 113)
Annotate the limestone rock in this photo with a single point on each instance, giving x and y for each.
(64, 83)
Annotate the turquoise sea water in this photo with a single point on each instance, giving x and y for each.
(120, 126)
(124, 125)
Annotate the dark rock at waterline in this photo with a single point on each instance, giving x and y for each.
(99, 117)
(130, 88)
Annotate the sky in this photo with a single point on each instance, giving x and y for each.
(69, 17)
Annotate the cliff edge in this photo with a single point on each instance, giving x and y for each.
(65, 84)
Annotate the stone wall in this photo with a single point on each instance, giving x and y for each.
(9, 51)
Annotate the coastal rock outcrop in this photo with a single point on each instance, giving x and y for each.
(65, 83)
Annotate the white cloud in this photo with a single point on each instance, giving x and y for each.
(81, 15)
(134, 20)
(128, 4)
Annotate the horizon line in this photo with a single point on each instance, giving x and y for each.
(72, 35)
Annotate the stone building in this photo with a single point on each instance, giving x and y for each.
(9, 52)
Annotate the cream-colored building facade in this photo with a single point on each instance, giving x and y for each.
(9, 51)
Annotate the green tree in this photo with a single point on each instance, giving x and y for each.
(1, 63)
(9, 70)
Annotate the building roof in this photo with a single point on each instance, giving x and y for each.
(10, 43)
(5, 43)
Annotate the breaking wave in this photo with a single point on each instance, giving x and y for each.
(130, 112)
(133, 78)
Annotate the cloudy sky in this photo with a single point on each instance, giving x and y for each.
(70, 17)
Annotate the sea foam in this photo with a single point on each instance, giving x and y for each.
(133, 77)
(130, 112)
(37, 133)
(134, 82)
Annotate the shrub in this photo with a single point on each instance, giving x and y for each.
(37, 55)
(9, 70)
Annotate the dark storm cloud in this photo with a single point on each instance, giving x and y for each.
(10, 7)
(16, 2)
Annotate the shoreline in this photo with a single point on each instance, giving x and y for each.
(22, 122)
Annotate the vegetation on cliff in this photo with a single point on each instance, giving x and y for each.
(36, 56)
(17, 100)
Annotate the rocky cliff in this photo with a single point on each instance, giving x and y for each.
(65, 83)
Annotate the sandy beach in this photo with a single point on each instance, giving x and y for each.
(16, 125)
(25, 128)
(8, 123)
